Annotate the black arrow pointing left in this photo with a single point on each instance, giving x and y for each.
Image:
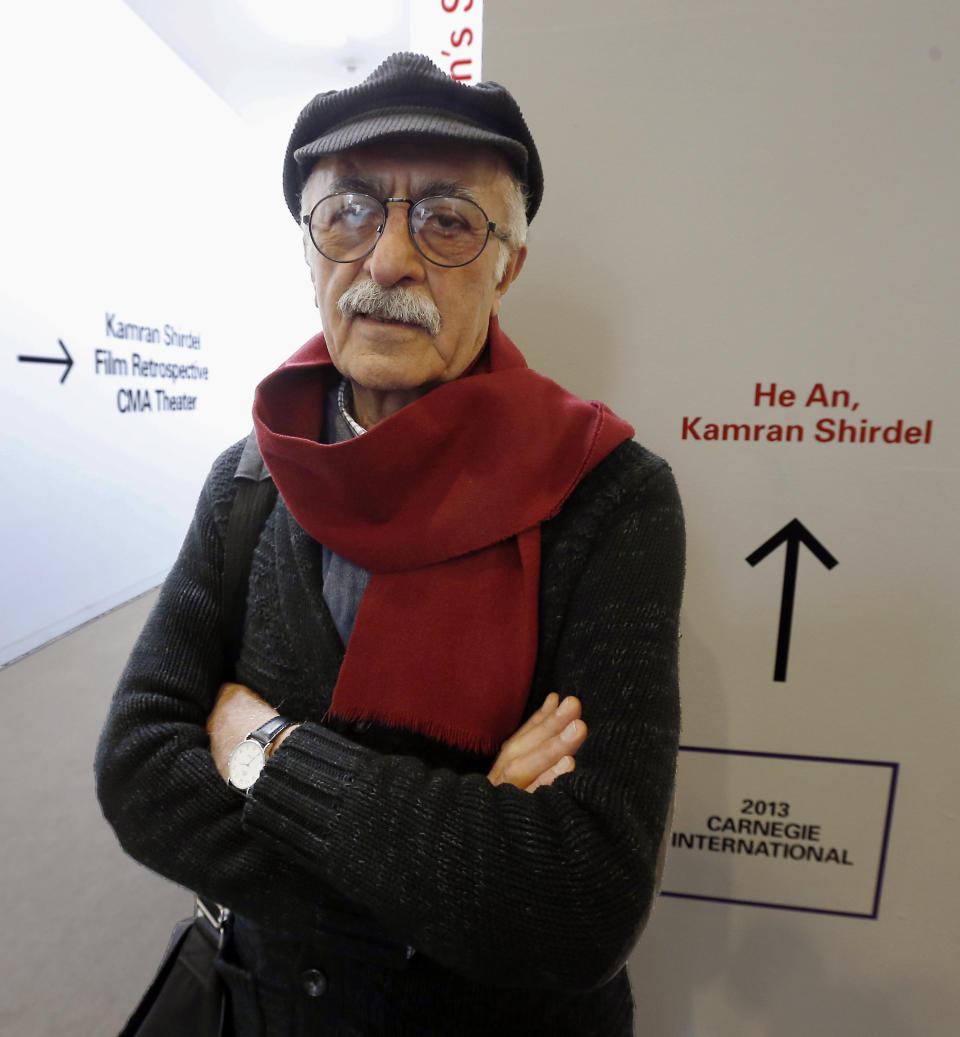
(66, 360)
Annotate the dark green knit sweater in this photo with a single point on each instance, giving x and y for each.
(519, 906)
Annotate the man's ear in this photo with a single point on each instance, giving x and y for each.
(512, 272)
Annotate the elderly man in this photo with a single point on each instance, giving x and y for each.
(397, 795)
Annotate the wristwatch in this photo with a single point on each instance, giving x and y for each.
(248, 759)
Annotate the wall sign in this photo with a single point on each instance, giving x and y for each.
(803, 833)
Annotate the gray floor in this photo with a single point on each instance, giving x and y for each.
(84, 926)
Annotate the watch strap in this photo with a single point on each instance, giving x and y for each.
(267, 732)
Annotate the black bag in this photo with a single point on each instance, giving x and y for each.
(187, 997)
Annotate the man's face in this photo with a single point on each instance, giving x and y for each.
(381, 357)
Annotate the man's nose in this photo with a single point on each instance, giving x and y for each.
(395, 259)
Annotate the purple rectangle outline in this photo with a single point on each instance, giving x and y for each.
(894, 774)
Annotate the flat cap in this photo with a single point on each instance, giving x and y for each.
(408, 96)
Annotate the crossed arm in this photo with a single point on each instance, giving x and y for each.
(539, 751)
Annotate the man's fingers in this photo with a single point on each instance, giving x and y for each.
(550, 703)
(538, 762)
(551, 722)
(563, 766)
(555, 730)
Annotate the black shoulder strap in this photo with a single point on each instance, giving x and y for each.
(252, 503)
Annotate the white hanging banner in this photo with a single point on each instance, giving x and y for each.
(450, 33)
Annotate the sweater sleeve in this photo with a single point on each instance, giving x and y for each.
(493, 882)
(156, 780)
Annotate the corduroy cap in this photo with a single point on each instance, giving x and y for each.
(408, 96)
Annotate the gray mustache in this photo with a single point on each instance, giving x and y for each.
(369, 299)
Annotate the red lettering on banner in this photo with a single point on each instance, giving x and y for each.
(830, 430)
(454, 74)
(785, 399)
(700, 429)
(460, 68)
(838, 398)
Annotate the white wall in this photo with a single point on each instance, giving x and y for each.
(131, 196)
(743, 193)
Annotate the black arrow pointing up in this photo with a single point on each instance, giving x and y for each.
(66, 359)
(793, 534)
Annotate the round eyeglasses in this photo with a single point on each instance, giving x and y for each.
(345, 228)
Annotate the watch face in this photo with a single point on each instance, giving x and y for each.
(246, 763)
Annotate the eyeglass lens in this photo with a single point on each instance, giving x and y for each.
(448, 231)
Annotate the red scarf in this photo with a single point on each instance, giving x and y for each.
(442, 504)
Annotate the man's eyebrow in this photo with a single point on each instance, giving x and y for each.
(446, 189)
(356, 184)
(433, 189)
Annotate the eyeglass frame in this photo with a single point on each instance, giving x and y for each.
(307, 220)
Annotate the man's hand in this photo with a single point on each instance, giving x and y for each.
(543, 748)
(236, 712)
